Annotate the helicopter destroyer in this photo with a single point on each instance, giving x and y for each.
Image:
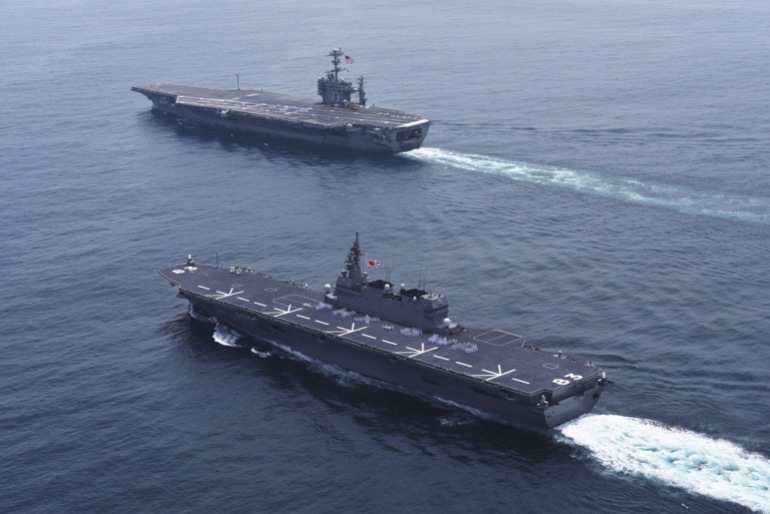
(399, 336)
(337, 120)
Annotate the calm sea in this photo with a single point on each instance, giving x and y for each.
(597, 178)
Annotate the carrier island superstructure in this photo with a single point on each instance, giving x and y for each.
(399, 336)
(338, 119)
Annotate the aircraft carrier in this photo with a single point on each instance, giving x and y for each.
(399, 336)
(337, 120)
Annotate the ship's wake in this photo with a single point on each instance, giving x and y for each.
(226, 336)
(751, 209)
(711, 467)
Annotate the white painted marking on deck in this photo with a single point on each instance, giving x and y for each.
(463, 364)
(491, 375)
(519, 380)
(278, 312)
(389, 342)
(244, 299)
(221, 295)
(440, 357)
(413, 352)
(303, 317)
(260, 304)
(321, 322)
(368, 336)
(204, 287)
(344, 331)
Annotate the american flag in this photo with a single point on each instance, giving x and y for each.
(349, 59)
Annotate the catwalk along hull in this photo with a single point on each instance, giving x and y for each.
(336, 120)
(490, 370)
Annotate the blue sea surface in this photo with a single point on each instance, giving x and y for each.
(597, 178)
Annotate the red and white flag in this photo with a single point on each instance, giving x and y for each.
(372, 264)
(349, 59)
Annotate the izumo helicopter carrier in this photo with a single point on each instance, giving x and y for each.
(399, 336)
(337, 120)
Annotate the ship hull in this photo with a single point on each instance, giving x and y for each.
(271, 115)
(409, 376)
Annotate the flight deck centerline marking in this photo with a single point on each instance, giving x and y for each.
(463, 364)
(389, 342)
(520, 380)
(204, 287)
(260, 304)
(321, 322)
(303, 317)
(440, 357)
(368, 336)
(244, 299)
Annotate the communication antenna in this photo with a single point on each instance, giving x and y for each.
(423, 282)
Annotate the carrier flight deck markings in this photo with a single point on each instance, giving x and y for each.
(412, 353)
(204, 287)
(278, 312)
(440, 357)
(389, 342)
(520, 380)
(241, 298)
(463, 364)
(260, 304)
(491, 375)
(346, 331)
(368, 336)
(221, 295)
(303, 317)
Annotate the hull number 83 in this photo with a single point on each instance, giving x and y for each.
(564, 381)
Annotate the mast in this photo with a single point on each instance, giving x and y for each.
(335, 54)
(353, 265)
(333, 89)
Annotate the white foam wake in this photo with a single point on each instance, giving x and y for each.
(710, 467)
(750, 209)
(226, 336)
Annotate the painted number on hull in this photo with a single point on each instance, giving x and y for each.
(564, 381)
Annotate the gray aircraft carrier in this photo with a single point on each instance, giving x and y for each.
(399, 336)
(337, 120)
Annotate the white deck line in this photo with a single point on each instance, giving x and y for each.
(440, 357)
(520, 380)
(321, 322)
(368, 336)
(260, 304)
(205, 288)
(389, 342)
(463, 364)
(303, 317)
(244, 299)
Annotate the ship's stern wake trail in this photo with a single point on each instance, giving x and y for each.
(711, 467)
(682, 199)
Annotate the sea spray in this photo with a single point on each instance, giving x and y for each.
(744, 208)
(711, 467)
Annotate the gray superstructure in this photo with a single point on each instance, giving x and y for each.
(403, 337)
(337, 120)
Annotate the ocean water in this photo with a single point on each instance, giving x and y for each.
(597, 178)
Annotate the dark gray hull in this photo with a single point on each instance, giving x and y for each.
(264, 114)
(535, 392)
